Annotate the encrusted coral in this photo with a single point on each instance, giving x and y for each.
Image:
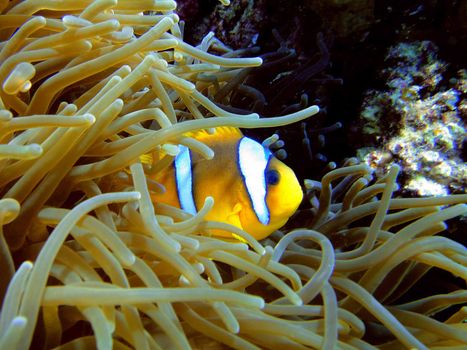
(236, 25)
(418, 121)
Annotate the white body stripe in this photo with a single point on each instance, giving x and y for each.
(253, 159)
(184, 180)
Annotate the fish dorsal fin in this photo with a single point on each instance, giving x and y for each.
(222, 132)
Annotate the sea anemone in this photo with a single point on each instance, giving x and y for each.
(89, 261)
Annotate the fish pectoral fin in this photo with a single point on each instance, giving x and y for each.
(234, 217)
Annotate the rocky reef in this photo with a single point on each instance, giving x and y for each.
(417, 121)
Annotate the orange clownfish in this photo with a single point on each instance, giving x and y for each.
(252, 189)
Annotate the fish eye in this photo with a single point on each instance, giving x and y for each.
(272, 177)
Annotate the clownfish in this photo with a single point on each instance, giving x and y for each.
(251, 188)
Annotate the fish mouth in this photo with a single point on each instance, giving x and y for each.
(291, 200)
(297, 197)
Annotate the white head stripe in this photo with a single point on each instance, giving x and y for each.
(184, 180)
(253, 159)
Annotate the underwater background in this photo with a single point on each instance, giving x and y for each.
(392, 74)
